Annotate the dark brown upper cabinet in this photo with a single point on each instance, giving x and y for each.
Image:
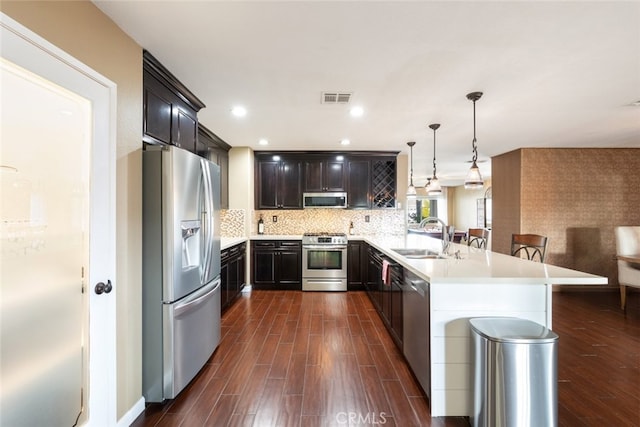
(278, 182)
(325, 174)
(359, 189)
(170, 109)
(383, 182)
(368, 177)
(372, 182)
(213, 148)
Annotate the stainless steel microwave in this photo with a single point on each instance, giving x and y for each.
(324, 200)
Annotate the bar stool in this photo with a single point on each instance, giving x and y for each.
(478, 237)
(531, 245)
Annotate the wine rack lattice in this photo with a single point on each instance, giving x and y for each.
(384, 183)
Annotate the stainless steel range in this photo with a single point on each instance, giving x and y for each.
(324, 262)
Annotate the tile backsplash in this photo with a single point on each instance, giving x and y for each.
(232, 223)
(296, 222)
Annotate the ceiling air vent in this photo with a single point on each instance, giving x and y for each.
(336, 97)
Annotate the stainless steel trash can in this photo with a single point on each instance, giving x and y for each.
(515, 373)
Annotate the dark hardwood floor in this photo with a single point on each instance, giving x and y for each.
(306, 359)
(598, 359)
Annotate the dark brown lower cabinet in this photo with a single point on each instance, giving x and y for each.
(232, 273)
(276, 264)
(357, 262)
(386, 297)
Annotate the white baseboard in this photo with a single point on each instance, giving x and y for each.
(132, 414)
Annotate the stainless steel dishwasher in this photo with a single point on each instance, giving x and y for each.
(416, 324)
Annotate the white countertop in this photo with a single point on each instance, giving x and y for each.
(478, 265)
(227, 242)
(276, 237)
(475, 266)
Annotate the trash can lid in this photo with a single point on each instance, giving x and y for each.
(512, 330)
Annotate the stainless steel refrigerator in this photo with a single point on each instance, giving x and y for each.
(181, 268)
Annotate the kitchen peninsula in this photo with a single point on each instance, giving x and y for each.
(467, 283)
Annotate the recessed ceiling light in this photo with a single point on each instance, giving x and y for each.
(345, 142)
(239, 111)
(356, 112)
(263, 141)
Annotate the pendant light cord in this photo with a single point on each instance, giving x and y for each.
(411, 164)
(474, 143)
(434, 151)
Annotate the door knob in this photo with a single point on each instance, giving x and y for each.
(103, 288)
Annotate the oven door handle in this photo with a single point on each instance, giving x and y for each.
(324, 247)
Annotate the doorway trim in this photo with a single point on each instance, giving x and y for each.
(33, 51)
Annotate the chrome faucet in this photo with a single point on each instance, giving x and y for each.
(445, 233)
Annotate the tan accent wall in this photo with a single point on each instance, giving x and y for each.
(574, 196)
(83, 31)
(505, 178)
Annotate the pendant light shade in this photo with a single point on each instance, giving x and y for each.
(474, 178)
(433, 187)
(411, 190)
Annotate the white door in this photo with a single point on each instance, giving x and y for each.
(57, 342)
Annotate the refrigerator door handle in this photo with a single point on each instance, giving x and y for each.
(195, 299)
(206, 258)
(210, 223)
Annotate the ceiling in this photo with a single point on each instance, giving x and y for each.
(554, 74)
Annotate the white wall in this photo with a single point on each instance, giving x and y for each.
(463, 206)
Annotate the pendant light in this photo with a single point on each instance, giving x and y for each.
(411, 191)
(433, 187)
(474, 179)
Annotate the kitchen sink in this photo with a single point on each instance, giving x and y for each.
(418, 253)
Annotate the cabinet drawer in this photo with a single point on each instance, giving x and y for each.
(264, 244)
(293, 244)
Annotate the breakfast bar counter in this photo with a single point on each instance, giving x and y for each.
(464, 283)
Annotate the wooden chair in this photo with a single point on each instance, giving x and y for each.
(532, 245)
(628, 251)
(478, 237)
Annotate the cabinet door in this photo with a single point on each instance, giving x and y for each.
(385, 301)
(224, 278)
(374, 278)
(209, 146)
(223, 162)
(267, 184)
(290, 264)
(383, 182)
(396, 307)
(356, 268)
(185, 129)
(290, 268)
(264, 267)
(359, 184)
(233, 278)
(313, 175)
(242, 264)
(290, 186)
(157, 112)
(324, 175)
(334, 175)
